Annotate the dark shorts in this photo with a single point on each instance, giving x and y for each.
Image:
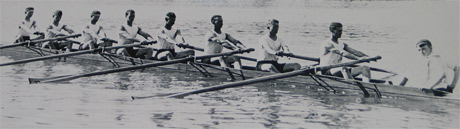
(58, 45)
(277, 65)
(22, 39)
(208, 61)
(132, 52)
(164, 50)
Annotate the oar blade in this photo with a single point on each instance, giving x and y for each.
(34, 80)
(38, 80)
(153, 96)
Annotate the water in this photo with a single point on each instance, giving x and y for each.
(385, 28)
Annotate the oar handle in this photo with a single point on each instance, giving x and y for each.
(148, 42)
(109, 40)
(189, 46)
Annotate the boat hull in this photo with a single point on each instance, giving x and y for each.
(329, 83)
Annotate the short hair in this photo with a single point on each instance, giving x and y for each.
(423, 42)
(334, 26)
(129, 11)
(215, 18)
(57, 12)
(271, 22)
(95, 12)
(29, 9)
(170, 15)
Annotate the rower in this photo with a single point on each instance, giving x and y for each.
(128, 33)
(54, 30)
(93, 33)
(437, 69)
(27, 27)
(216, 39)
(332, 52)
(168, 37)
(271, 46)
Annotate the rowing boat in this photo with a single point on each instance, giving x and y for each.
(329, 83)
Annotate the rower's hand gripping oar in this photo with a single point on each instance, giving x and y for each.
(271, 77)
(32, 42)
(142, 66)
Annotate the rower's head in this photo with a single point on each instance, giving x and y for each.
(424, 46)
(29, 11)
(273, 26)
(336, 29)
(95, 16)
(217, 21)
(170, 18)
(130, 15)
(57, 15)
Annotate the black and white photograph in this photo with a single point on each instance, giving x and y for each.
(230, 64)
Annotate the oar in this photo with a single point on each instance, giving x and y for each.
(68, 54)
(71, 77)
(40, 40)
(271, 77)
(201, 49)
(317, 60)
(299, 57)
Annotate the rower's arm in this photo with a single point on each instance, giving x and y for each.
(68, 29)
(102, 33)
(350, 56)
(354, 51)
(235, 43)
(144, 34)
(36, 30)
(232, 40)
(179, 37)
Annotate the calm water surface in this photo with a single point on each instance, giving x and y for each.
(389, 29)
